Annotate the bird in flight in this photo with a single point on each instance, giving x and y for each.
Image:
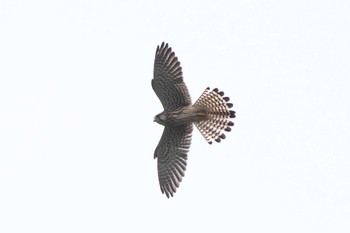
(210, 114)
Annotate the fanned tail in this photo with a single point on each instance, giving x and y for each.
(219, 115)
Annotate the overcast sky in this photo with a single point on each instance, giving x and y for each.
(77, 135)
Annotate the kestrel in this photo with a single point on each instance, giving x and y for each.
(210, 114)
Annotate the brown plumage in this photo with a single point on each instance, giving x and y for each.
(210, 113)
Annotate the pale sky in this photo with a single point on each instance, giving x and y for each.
(77, 135)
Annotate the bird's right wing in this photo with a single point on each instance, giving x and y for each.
(167, 80)
(171, 153)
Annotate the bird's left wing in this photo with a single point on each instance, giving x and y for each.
(167, 80)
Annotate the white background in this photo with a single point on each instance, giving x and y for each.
(77, 135)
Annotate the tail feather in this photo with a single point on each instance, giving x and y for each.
(219, 115)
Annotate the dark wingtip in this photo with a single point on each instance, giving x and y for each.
(226, 99)
(222, 136)
(210, 142)
(229, 105)
(216, 90)
(230, 123)
(218, 140)
(221, 93)
(163, 48)
(163, 45)
(232, 114)
(228, 129)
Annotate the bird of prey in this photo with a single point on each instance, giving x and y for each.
(210, 114)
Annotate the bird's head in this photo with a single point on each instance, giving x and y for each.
(160, 118)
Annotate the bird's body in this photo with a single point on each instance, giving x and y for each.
(210, 113)
(183, 115)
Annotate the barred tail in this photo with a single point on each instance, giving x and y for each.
(219, 115)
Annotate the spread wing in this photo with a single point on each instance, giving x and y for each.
(172, 152)
(167, 80)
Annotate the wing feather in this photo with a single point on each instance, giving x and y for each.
(171, 153)
(167, 80)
